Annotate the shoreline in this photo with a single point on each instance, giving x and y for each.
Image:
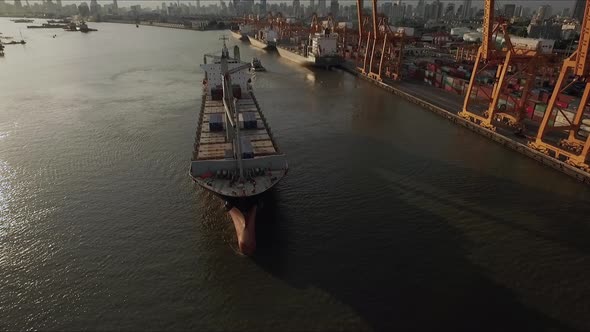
(497, 137)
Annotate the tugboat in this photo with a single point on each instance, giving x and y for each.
(256, 65)
(71, 27)
(84, 28)
(235, 154)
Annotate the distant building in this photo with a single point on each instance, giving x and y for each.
(544, 12)
(509, 10)
(93, 7)
(450, 10)
(466, 14)
(321, 7)
(579, 10)
(397, 12)
(544, 31)
(263, 6)
(334, 8)
(420, 9)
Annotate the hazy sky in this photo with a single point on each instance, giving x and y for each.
(556, 4)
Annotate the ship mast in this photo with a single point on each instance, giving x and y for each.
(230, 104)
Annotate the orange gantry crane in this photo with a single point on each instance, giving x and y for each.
(512, 64)
(574, 147)
(380, 50)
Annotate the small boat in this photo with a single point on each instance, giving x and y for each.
(47, 26)
(14, 42)
(84, 28)
(23, 20)
(256, 65)
(71, 27)
(1, 49)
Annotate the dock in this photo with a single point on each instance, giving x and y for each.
(448, 107)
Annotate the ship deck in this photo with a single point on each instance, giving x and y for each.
(211, 145)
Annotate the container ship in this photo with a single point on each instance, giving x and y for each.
(265, 39)
(320, 50)
(242, 32)
(235, 154)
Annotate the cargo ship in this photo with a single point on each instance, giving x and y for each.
(265, 39)
(320, 50)
(235, 153)
(243, 32)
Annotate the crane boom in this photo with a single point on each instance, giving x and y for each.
(359, 12)
(583, 58)
(488, 28)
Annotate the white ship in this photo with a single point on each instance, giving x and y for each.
(320, 50)
(235, 154)
(243, 33)
(265, 39)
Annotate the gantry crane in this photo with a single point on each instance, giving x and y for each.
(380, 49)
(484, 105)
(575, 147)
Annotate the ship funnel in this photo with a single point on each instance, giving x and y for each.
(237, 53)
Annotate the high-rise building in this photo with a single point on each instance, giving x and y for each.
(334, 8)
(17, 4)
(420, 9)
(509, 10)
(321, 7)
(436, 10)
(312, 5)
(466, 9)
(296, 6)
(263, 6)
(93, 7)
(579, 10)
(450, 10)
(397, 12)
(544, 12)
(565, 12)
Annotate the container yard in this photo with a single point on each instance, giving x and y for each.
(518, 91)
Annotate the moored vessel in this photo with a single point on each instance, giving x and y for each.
(23, 20)
(243, 32)
(256, 65)
(320, 50)
(265, 39)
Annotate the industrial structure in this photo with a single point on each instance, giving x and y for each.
(380, 50)
(574, 147)
(505, 80)
(512, 64)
